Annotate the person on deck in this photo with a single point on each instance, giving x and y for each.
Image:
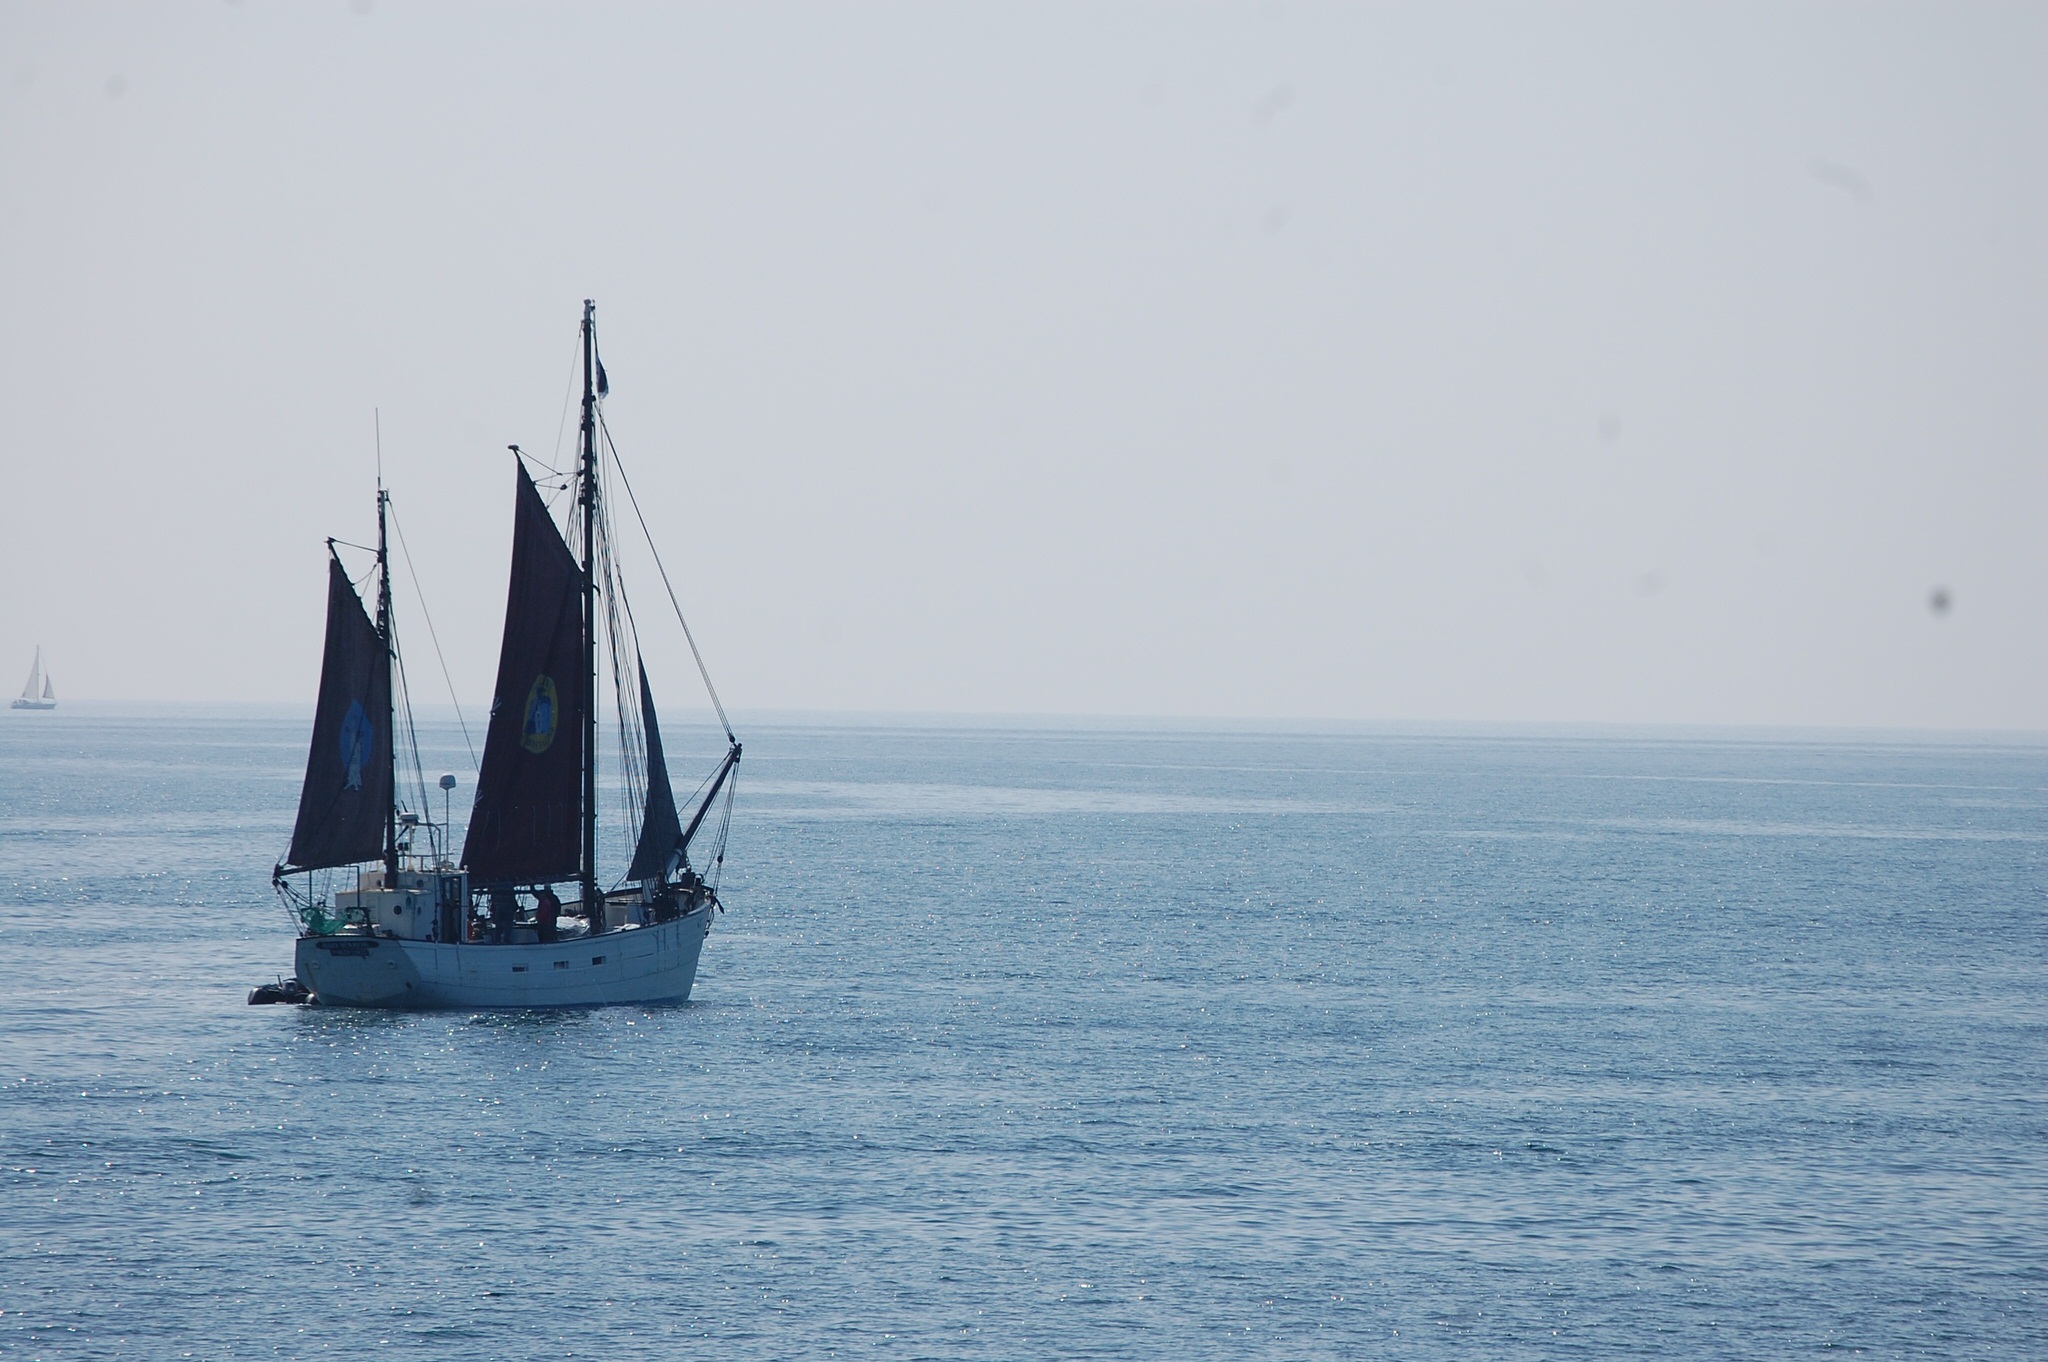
(547, 910)
(503, 908)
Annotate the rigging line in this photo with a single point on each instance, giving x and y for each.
(402, 700)
(716, 868)
(625, 642)
(632, 741)
(439, 845)
(625, 600)
(617, 602)
(552, 472)
(634, 501)
(622, 646)
(552, 497)
(697, 795)
(356, 583)
(419, 771)
(575, 359)
(427, 615)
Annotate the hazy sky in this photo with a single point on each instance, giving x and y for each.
(1634, 363)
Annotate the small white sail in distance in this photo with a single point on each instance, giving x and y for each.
(39, 693)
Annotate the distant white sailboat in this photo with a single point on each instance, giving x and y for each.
(38, 693)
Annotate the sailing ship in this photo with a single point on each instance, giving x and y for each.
(402, 923)
(38, 693)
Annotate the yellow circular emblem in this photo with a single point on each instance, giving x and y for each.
(537, 734)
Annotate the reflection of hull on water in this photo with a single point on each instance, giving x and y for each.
(652, 964)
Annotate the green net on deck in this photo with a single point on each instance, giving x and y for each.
(317, 920)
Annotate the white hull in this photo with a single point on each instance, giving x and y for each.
(652, 964)
(33, 704)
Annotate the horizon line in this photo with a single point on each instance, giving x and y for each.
(1113, 721)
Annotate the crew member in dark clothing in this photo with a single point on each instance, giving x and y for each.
(503, 907)
(547, 910)
(661, 902)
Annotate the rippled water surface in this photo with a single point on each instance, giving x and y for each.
(1037, 1043)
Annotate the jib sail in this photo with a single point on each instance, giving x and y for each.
(661, 831)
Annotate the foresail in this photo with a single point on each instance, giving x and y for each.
(35, 674)
(661, 831)
(526, 825)
(347, 793)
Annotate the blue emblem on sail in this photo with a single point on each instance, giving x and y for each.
(537, 734)
(358, 735)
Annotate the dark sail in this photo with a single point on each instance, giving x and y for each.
(347, 794)
(525, 827)
(660, 829)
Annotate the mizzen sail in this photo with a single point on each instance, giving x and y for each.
(526, 826)
(347, 794)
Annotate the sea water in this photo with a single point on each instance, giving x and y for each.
(1034, 1043)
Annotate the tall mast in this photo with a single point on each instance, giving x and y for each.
(391, 700)
(588, 499)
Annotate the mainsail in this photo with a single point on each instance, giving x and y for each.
(661, 831)
(526, 825)
(347, 795)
